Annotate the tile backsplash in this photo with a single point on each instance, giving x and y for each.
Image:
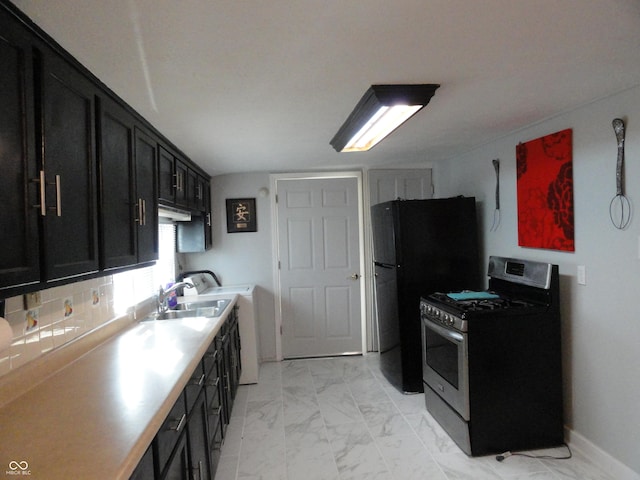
(66, 313)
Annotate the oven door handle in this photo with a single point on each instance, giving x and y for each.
(445, 332)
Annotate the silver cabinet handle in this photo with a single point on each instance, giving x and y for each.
(208, 219)
(179, 186)
(355, 276)
(180, 423)
(213, 355)
(139, 208)
(142, 212)
(58, 207)
(43, 193)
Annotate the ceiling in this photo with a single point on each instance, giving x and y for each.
(263, 85)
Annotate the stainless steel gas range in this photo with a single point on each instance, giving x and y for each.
(492, 366)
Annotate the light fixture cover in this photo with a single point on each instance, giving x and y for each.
(376, 97)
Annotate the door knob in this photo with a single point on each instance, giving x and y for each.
(355, 276)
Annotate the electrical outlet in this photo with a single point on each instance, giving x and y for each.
(582, 275)
(32, 300)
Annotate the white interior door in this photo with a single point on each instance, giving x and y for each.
(385, 185)
(318, 231)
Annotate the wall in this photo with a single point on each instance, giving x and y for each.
(241, 258)
(600, 324)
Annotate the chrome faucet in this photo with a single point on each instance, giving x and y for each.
(163, 294)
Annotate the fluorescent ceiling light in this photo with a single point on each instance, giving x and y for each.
(381, 110)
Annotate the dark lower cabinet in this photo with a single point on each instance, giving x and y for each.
(169, 434)
(178, 465)
(144, 470)
(189, 442)
(197, 435)
(235, 366)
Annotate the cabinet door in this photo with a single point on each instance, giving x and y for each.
(224, 347)
(170, 433)
(20, 252)
(166, 176)
(69, 162)
(118, 203)
(199, 463)
(235, 369)
(144, 470)
(147, 196)
(192, 189)
(178, 465)
(208, 233)
(182, 183)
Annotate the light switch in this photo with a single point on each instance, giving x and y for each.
(582, 275)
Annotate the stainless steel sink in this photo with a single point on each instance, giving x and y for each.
(172, 315)
(209, 308)
(219, 304)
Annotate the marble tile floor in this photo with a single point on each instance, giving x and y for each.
(339, 419)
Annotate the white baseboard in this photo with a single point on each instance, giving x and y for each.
(606, 462)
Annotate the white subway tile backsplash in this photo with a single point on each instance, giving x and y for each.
(66, 313)
(14, 304)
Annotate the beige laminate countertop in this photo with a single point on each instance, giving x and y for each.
(95, 418)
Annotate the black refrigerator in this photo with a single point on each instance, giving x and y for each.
(419, 247)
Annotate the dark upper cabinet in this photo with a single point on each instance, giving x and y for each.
(118, 205)
(208, 235)
(200, 193)
(128, 195)
(182, 183)
(68, 165)
(81, 171)
(173, 179)
(146, 154)
(191, 188)
(19, 255)
(166, 176)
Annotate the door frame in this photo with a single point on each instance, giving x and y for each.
(273, 179)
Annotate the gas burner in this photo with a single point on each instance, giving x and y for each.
(488, 301)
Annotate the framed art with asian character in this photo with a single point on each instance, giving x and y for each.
(241, 215)
(545, 192)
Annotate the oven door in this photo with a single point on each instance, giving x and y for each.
(445, 366)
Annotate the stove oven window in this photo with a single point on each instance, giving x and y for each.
(442, 356)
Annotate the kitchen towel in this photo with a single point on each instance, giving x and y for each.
(6, 334)
(467, 295)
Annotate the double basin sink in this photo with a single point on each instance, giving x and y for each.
(207, 308)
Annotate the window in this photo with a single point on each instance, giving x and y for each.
(134, 286)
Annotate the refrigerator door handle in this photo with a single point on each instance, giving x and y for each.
(383, 265)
